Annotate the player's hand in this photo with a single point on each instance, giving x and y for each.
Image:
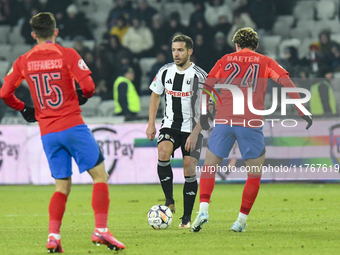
(204, 120)
(82, 99)
(28, 113)
(190, 143)
(309, 120)
(151, 132)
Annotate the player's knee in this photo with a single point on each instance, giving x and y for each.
(163, 155)
(64, 189)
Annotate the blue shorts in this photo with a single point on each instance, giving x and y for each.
(250, 141)
(77, 142)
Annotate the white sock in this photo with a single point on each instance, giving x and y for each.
(204, 206)
(242, 217)
(102, 229)
(56, 236)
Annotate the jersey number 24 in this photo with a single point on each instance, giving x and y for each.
(250, 76)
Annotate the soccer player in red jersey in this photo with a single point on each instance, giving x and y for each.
(245, 69)
(50, 70)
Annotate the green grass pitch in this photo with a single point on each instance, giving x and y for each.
(286, 219)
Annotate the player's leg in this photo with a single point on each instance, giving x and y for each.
(251, 144)
(220, 143)
(190, 160)
(100, 196)
(166, 146)
(86, 153)
(207, 184)
(100, 205)
(61, 169)
(189, 189)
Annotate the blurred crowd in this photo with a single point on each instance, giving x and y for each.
(136, 30)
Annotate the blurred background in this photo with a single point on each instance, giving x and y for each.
(111, 35)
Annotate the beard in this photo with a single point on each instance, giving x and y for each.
(183, 62)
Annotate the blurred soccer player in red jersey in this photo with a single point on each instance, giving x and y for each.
(50, 70)
(244, 68)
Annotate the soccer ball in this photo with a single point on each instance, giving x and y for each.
(159, 217)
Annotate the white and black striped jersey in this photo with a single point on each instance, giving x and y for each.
(182, 95)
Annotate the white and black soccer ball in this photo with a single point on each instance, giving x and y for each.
(159, 217)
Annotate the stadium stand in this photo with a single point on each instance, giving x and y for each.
(304, 10)
(300, 28)
(106, 108)
(15, 36)
(325, 9)
(4, 32)
(6, 52)
(91, 108)
(145, 65)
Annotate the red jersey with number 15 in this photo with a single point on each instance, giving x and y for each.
(50, 70)
(245, 69)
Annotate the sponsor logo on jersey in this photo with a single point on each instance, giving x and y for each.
(160, 137)
(178, 93)
(82, 65)
(169, 81)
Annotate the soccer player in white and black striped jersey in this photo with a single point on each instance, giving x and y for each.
(180, 125)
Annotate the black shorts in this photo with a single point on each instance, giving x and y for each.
(179, 139)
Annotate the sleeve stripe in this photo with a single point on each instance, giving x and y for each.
(200, 72)
(163, 77)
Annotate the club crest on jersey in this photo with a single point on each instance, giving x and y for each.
(82, 65)
(188, 82)
(10, 71)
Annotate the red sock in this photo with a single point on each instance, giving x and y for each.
(207, 183)
(56, 211)
(100, 204)
(250, 192)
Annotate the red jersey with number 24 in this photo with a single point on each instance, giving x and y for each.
(245, 69)
(50, 70)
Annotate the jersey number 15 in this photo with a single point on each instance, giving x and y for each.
(44, 90)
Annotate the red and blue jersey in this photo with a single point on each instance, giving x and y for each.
(246, 68)
(50, 71)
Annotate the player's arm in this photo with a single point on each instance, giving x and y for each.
(281, 76)
(86, 90)
(7, 94)
(82, 74)
(153, 108)
(285, 81)
(13, 80)
(191, 141)
(157, 88)
(212, 79)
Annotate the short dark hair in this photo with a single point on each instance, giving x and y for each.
(247, 38)
(43, 24)
(189, 44)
